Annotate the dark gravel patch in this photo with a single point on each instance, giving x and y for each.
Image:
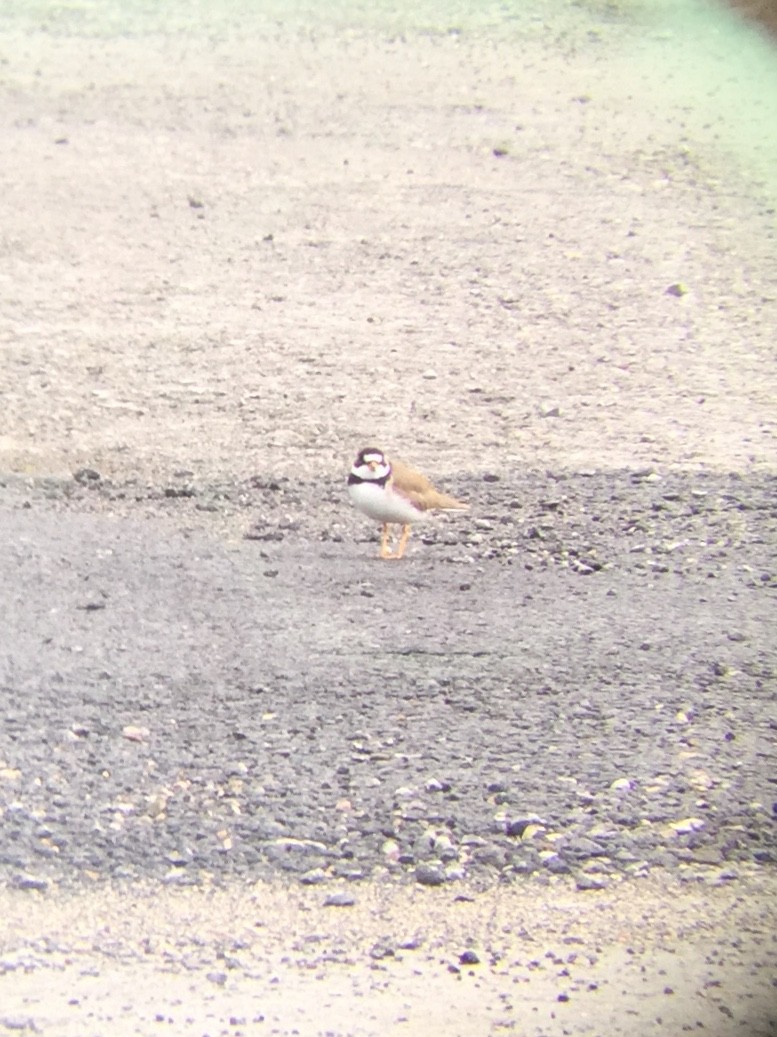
(576, 679)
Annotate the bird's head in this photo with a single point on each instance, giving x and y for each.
(371, 465)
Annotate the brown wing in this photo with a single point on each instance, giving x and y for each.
(419, 490)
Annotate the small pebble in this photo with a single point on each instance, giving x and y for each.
(340, 899)
(134, 733)
(686, 825)
(30, 882)
(588, 883)
(19, 1023)
(678, 290)
(428, 875)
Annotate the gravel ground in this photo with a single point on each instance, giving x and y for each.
(568, 695)
(253, 780)
(286, 701)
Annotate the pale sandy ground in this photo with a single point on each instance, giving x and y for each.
(646, 958)
(417, 290)
(249, 242)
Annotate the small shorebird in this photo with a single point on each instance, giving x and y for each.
(392, 493)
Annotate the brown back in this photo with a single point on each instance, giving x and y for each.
(417, 488)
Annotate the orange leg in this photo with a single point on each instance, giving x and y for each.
(385, 551)
(385, 548)
(403, 541)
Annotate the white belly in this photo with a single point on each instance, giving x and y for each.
(383, 505)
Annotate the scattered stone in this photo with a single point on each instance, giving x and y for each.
(429, 875)
(390, 849)
(264, 535)
(469, 958)
(87, 476)
(584, 848)
(549, 410)
(554, 862)
(288, 846)
(173, 492)
(533, 831)
(724, 875)
(701, 780)
(30, 882)
(686, 825)
(133, 733)
(590, 882)
(19, 1023)
(519, 825)
(314, 877)
(340, 899)
(583, 568)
